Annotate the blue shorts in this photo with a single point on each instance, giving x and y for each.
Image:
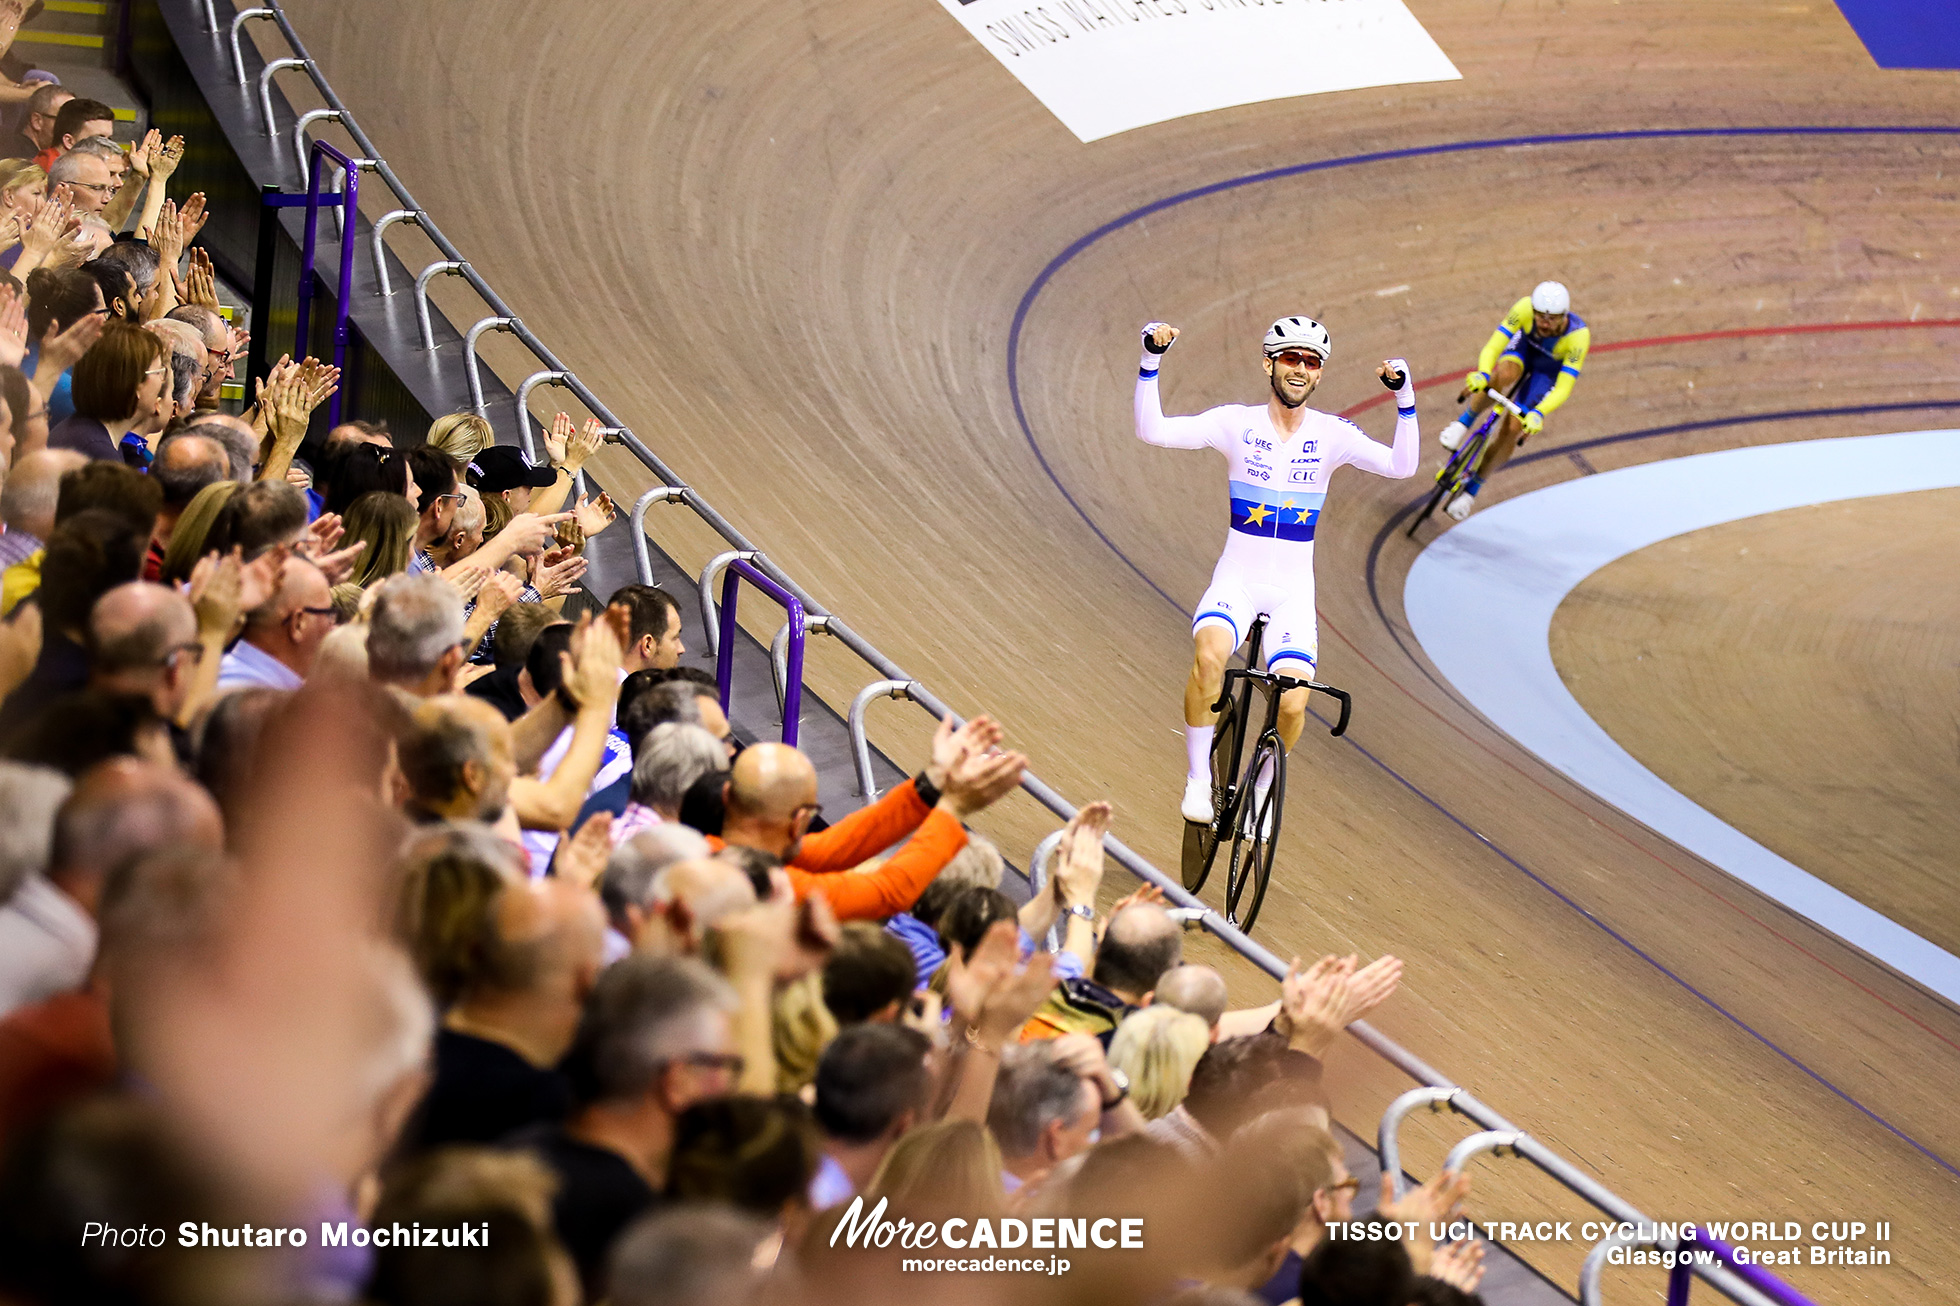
(1535, 385)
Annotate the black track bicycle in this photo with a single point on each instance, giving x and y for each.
(1241, 815)
(1467, 460)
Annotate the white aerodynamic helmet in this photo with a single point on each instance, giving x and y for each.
(1551, 297)
(1298, 332)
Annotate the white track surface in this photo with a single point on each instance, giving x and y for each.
(1481, 600)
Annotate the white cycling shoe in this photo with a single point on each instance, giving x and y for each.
(1451, 436)
(1462, 506)
(1197, 800)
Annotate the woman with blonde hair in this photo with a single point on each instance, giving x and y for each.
(23, 188)
(386, 522)
(1158, 1048)
(949, 1168)
(193, 528)
(460, 436)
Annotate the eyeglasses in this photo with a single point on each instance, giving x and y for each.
(97, 186)
(1351, 1184)
(193, 648)
(314, 612)
(459, 496)
(732, 1062)
(1299, 358)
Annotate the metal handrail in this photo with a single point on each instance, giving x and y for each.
(383, 284)
(779, 653)
(658, 494)
(710, 621)
(1388, 1135)
(440, 268)
(522, 405)
(304, 121)
(1595, 1266)
(495, 322)
(739, 570)
(243, 17)
(854, 723)
(266, 74)
(1044, 853)
(744, 553)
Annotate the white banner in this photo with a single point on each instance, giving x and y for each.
(1106, 66)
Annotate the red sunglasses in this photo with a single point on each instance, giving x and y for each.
(1298, 358)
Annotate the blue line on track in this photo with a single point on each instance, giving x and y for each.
(1082, 243)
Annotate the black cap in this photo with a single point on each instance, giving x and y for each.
(502, 467)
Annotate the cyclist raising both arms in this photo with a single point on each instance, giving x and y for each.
(1542, 341)
(1279, 457)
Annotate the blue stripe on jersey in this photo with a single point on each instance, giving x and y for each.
(1145, 376)
(1569, 370)
(1214, 612)
(1296, 523)
(1277, 496)
(1298, 655)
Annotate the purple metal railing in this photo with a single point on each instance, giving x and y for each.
(1755, 1276)
(349, 198)
(731, 586)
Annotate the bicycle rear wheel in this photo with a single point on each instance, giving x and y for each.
(1201, 841)
(1452, 475)
(1255, 836)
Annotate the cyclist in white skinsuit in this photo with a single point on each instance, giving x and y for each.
(1279, 457)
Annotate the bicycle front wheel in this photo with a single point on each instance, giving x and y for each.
(1255, 836)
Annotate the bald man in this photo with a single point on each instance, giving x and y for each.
(771, 799)
(220, 348)
(1197, 989)
(688, 898)
(142, 639)
(1140, 946)
(283, 635)
(119, 810)
(500, 1042)
(185, 464)
(241, 442)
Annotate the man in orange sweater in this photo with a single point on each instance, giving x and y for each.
(772, 798)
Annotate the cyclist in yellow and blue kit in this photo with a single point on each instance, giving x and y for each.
(1542, 343)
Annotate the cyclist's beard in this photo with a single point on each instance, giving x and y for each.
(1279, 392)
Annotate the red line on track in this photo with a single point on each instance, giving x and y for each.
(1815, 328)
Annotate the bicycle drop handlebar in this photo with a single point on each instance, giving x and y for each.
(1284, 683)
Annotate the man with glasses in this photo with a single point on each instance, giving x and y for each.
(435, 480)
(143, 640)
(86, 177)
(283, 636)
(1279, 457)
(37, 128)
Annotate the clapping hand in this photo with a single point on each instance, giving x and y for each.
(200, 282)
(1078, 859)
(594, 515)
(558, 573)
(13, 327)
(139, 155)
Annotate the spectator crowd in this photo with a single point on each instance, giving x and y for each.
(359, 870)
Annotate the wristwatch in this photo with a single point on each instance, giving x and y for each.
(1122, 1082)
(1083, 910)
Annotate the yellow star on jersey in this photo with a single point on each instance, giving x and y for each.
(1257, 517)
(1304, 514)
(1287, 504)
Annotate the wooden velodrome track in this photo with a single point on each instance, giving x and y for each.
(789, 243)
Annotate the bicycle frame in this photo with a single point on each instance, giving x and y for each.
(1277, 685)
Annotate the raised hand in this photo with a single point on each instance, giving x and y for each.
(193, 216)
(322, 533)
(979, 779)
(139, 154)
(583, 443)
(216, 593)
(1078, 863)
(582, 857)
(1158, 337)
(13, 224)
(528, 531)
(594, 515)
(61, 352)
(558, 573)
(499, 594)
(1459, 1264)
(971, 978)
(201, 282)
(557, 438)
(338, 567)
(594, 679)
(167, 235)
(13, 327)
(949, 744)
(467, 578)
(164, 161)
(1148, 895)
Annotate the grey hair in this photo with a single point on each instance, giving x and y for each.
(687, 1256)
(668, 762)
(67, 167)
(240, 448)
(633, 878)
(416, 619)
(138, 259)
(29, 798)
(1031, 1093)
(978, 865)
(645, 1012)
